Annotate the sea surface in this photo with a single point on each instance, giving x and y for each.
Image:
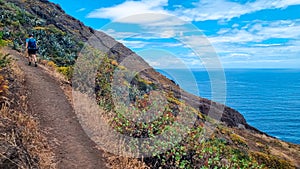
(269, 99)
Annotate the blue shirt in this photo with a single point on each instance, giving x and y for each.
(27, 40)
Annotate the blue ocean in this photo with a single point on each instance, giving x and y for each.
(269, 99)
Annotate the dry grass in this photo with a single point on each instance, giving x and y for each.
(117, 162)
(272, 146)
(21, 143)
(96, 121)
(113, 161)
(50, 68)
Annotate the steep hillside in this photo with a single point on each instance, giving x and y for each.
(233, 143)
(61, 37)
(58, 35)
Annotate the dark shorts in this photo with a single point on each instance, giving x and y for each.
(32, 51)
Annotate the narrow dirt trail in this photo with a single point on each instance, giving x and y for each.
(72, 147)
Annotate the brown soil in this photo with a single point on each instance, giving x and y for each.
(48, 103)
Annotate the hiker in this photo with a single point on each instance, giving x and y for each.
(31, 47)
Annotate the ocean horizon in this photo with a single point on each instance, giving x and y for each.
(269, 99)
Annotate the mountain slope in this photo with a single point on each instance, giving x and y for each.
(61, 37)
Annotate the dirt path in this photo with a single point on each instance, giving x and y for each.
(72, 148)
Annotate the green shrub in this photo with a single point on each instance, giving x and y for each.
(5, 60)
(67, 71)
(2, 41)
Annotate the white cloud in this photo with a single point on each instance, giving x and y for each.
(150, 33)
(119, 34)
(174, 62)
(134, 44)
(267, 45)
(281, 29)
(202, 10)
(261, 42)
(240, 43)
(169, 36)
(148, 19)
(236, 52)
(240, 36)
(239, 55)
(131, 8)
(223, 31)
(222, 9)
(138, 44)
(80, 10)
(235, 25)
(294, 42)
(142, 11)
(162, 58)
(258, 31)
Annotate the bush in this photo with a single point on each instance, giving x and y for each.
(2, 41)
(271, 161)
(52, 65)
(238, 139)
(3, 85)
(67, 71)
(5, 60)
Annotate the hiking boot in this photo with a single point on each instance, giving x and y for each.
(29, 63)
(35, 64)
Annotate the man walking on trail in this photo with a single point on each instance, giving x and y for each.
(31, 49)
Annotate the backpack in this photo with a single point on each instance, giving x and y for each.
(31, 43)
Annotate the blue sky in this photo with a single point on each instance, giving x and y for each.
(194, 33)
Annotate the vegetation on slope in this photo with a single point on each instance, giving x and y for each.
(54, 44)
(224, 148)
